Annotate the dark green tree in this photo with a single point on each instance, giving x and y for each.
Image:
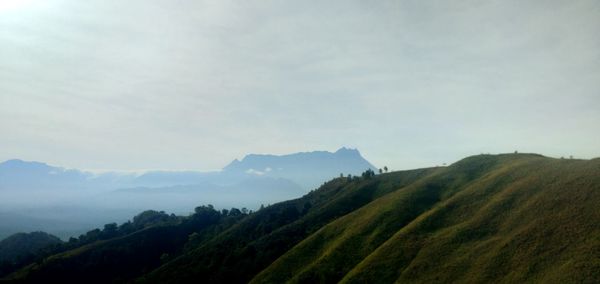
(235, 212)
(110, 231)
(368, 174)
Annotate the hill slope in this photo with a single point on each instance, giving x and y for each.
(21, 244)
(507, 218)
(488, 218)
(250, 246)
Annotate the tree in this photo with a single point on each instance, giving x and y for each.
(235, 212)
(306, 207)
(385, 169)
(380, 171)
(368, 174)
(150, 217)
(193, 237)
(203, 209)
(126, 228)
(110, 230)
(90, 236)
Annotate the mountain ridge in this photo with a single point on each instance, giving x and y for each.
(486, 218)
(272, 178)
(309, 169)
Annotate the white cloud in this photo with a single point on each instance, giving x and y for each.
(254, 172)
(193, 84)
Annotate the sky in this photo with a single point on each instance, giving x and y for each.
(174, 84)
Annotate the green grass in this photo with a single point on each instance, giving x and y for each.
(507, 218)
(241, 252)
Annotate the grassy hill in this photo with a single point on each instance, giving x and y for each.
(238, 254)
(507, 218)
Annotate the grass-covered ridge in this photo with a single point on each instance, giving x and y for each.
(241, 252)
(507, 218)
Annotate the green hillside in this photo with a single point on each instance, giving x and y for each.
(250, 246)
(508, 218)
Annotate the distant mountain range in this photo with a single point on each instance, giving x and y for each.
(26, 188)
(308, 170)
(509, 218)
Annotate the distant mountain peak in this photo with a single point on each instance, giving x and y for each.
(308, 169)
(18, 163)
(347, 151)
(340, 151)
(14, 162)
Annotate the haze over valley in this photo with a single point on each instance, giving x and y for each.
(67, 202)
(264, 141)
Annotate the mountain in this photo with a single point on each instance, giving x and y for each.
(309, 169)
(70, 201)
(509, 218)
(34, 175)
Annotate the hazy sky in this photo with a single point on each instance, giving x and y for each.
(138, 84)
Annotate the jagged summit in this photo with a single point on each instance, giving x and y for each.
(347, 151)
(308, 169)
(254, 157)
